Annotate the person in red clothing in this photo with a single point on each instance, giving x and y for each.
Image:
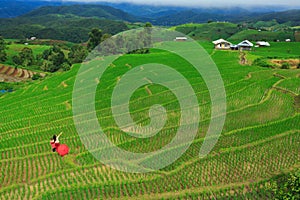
(54, 142)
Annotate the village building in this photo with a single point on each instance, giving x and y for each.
(262, 44)
(181, 39)
(222, 44)
(246, 45)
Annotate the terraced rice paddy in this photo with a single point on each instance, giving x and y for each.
(12, 74)
(260, 138)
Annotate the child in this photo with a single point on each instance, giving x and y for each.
(54, 142)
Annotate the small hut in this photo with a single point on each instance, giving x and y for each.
(262, 44)
(181, 39)
(222, 44)
(246, 45)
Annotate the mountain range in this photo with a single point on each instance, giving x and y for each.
(138, 12)
(73, 21)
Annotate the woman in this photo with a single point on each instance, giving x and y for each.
(54, 142)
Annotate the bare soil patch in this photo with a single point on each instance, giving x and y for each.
(293, 62)
(12, 74)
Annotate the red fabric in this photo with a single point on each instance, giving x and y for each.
(62, 150)
(54, 145)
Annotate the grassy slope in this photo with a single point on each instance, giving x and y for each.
(279, 49)
(232, 32)
(259, 139)
(14, 49)
(209, 31)
(255, 35)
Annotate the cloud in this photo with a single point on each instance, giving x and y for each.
(202, 3)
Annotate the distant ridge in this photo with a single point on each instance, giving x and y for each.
(14, 8)
(98, 11)
(235, 15)
(292, 16)
(71, 23)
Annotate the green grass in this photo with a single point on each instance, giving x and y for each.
(209, 31)
(260, 137)
(292, 85)
(279, 50)
(14, 49)
(256, 35)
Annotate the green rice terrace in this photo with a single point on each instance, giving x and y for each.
(260, 139)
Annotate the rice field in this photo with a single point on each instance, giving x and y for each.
(260, 137)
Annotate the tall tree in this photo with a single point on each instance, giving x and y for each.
(3, 55)
(26, 56)
(77, 54)
(148, 25)
(54, 59)
(95, 37)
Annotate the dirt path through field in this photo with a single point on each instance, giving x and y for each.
(243, 59)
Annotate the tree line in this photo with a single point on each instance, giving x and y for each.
(56, 58)
(50, 60)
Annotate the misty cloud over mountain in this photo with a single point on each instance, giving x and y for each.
(202, 3)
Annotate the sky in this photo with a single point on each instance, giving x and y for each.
(205, 3)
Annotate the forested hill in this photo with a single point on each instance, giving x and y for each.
(292, 16)
(233, 15)
(57, 27)
(71, 23)
(14, 8)
(98, 11)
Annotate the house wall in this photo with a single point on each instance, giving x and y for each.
(222, 46)
(242, 48)
(180, 40)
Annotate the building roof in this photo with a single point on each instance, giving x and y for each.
(220, 41)
(246, 43)
(263, 43)
(181, 38)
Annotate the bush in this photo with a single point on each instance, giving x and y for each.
(54, 58)
(285, 65)
(286, 186)
(261, 62)
(66, 66)
(35, 77)
(77, 54)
